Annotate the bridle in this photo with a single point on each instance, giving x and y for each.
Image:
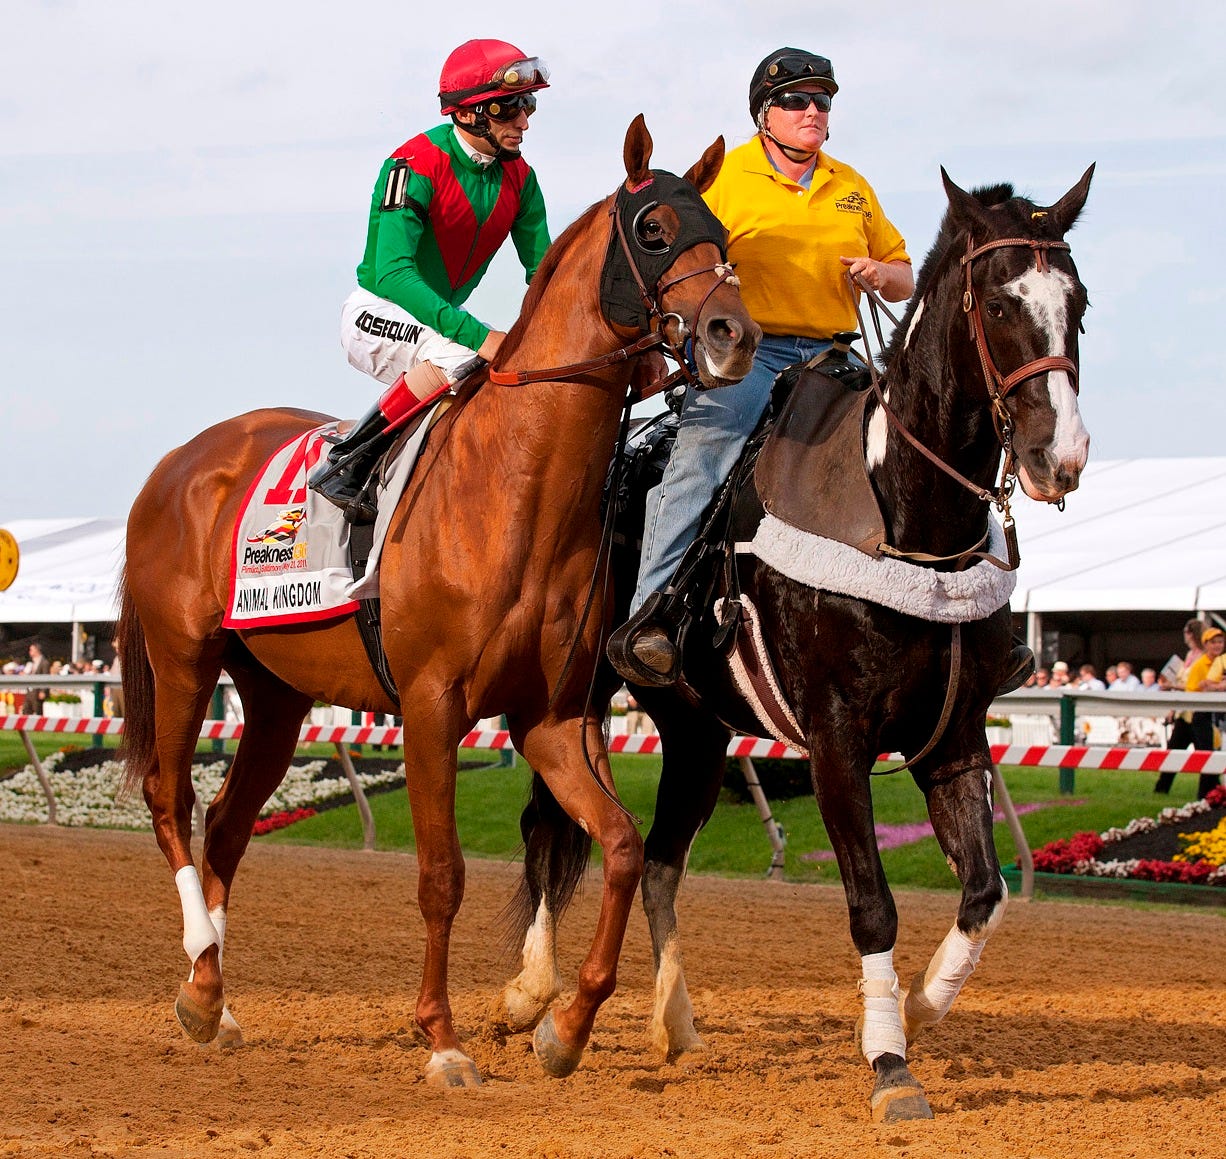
(658, 320)
(998, 386)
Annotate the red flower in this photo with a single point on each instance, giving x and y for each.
(1062, 856)
(280, 821)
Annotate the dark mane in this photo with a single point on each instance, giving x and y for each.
(1002, 199)
(545, 271)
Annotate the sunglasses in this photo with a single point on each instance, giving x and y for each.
(797, 102)
(508, 108)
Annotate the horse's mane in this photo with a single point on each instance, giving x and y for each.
(545, 271)
(951, 237)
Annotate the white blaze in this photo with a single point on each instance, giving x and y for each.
(1045, 294)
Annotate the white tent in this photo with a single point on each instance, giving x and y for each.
(69, 571)
(1138, 535)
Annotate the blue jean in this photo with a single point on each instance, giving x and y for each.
(715, 425)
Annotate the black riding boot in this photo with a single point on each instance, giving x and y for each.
(646, 649)
(1021, 668)
(341, 478)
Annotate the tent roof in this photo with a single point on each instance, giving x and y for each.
(69, 571)
(1138, 535)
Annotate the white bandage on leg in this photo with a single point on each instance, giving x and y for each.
(954, 962)
(882, 1028)
(199, 933)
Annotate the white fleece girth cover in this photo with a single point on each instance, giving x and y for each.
(945, 597)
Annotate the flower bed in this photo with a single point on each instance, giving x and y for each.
(1185, 846)
(85, 784)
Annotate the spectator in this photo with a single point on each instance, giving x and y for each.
(114, 692)
(1149, 680)
(1196, 677)
(1059, 674)
(1111, 676)
(1125, 680)
(35, 697)
(1088, 681)
(1042, 678)
(637, 721)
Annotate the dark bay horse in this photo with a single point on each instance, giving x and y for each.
(484, 581)
(986, 354)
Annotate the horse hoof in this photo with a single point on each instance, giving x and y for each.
(897, 1097)
(556, 1058)
(200, 1022)
(452, 1068)
(229, 1033)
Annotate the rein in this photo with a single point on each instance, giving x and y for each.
(1004, 431)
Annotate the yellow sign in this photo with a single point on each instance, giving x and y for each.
(10, 557)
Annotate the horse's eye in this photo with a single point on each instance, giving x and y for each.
(649, 233)
(996, 310)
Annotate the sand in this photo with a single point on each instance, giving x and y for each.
(1088, 1029)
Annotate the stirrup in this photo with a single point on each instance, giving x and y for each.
(650, 620)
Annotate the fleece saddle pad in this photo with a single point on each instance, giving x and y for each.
(290, 562)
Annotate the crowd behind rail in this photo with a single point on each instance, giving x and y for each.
(1201, 669)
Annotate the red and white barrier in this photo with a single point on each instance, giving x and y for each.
(1041, 756)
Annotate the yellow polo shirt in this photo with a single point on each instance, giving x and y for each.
(785, 240)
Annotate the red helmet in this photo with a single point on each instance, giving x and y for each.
(480, 69)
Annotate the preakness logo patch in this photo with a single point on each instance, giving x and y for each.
(855, 203)
(290, 562)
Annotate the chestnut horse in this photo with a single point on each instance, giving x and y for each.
(485, 582)
(985, 356)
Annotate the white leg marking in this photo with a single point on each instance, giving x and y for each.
(528, 995)
(881, 1031)
(672, 1024)
(878, 428)
(199, 933)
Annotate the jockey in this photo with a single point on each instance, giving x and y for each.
(443, 204)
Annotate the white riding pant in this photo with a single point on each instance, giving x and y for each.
(382, 340)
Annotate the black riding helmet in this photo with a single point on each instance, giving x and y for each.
(786, 68)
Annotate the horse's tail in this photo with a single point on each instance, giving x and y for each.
(138, 750)
(556, 852)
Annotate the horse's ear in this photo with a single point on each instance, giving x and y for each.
(1066, 211)
(637, 153)
(703, 171)
(966, 211)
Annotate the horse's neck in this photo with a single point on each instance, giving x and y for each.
(553, 439)
(928, 388)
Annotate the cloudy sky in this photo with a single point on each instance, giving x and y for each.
(184, 187)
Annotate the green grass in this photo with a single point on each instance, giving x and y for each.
(734, 843)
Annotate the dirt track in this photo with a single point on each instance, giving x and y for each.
(1088, 1030)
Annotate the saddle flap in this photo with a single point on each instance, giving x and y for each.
(811, 472)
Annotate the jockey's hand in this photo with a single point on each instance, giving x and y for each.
(489, 347)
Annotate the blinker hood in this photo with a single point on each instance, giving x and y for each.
(620, 297)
